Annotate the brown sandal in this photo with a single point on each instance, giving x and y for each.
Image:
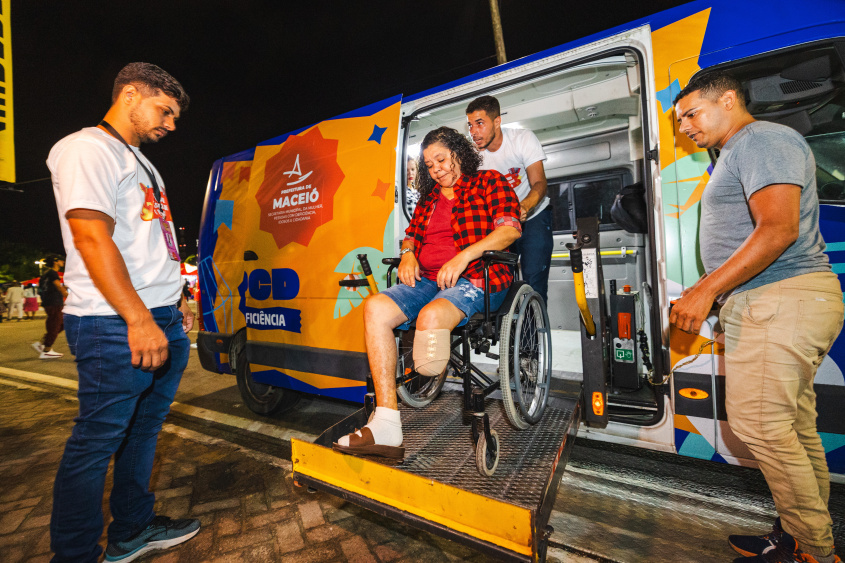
(365, 444)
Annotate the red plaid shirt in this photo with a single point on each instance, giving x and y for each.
(483, 203)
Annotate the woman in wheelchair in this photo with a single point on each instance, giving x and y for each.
(462, 212)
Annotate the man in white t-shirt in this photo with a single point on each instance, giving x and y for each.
(123, 319)
(518, 155)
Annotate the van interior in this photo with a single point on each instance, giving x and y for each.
(588, 118)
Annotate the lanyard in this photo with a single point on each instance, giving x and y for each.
(116, 135)
(169, 241)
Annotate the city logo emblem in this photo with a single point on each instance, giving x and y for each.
(298, 172)
(294, 205)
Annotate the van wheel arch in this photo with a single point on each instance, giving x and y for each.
(262, 399)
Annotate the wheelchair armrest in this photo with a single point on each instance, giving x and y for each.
(393, 263)
(500, 257)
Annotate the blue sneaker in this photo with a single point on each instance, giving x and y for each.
(786, 550)
(161, 533)
(751, 546)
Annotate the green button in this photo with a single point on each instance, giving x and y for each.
(623, 355)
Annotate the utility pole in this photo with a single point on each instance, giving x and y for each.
(501, 58)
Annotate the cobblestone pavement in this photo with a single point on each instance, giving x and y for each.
(247, 503)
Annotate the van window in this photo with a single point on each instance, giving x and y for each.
(804, 89)
(585, 196)
(829, 150)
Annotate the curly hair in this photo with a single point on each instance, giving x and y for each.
(463, 152)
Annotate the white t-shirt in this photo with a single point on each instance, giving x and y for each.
(520, 149)
(93, 170)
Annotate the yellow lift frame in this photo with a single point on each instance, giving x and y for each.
(513, 528)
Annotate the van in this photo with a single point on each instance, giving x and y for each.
(283, 222)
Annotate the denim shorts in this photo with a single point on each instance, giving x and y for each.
(465, 296)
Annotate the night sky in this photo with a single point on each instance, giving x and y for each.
(254, 70)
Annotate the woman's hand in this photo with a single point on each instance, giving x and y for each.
(409, 270)
(451, 271)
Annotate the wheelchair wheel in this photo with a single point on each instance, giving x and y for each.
(525, 360)
(414, 390)
(487, 458)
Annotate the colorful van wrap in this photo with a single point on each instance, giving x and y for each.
(285, 231)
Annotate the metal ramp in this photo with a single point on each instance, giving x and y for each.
(437, 487)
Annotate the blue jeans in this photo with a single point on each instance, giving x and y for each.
(535, 251)
(464, 296)
(121, 410)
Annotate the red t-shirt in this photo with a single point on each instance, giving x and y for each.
(438, 245)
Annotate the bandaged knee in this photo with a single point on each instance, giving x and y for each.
(431, 351)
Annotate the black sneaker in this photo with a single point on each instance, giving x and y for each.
(750, 546)
(161, 533)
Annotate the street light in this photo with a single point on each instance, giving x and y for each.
(40, 264)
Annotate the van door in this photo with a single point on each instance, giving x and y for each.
(592, 110)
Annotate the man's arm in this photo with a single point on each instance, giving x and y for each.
(537, 180)
(500, 239)
(776, 211)
(92, 236)
(60, 288)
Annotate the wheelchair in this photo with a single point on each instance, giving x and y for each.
(521, 329)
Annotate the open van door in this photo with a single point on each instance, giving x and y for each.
(592, 107)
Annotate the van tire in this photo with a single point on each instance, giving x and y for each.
(261, 399)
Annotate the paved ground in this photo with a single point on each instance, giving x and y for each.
(220, 462)
(247, 503)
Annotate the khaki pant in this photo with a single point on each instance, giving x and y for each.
(775, 339)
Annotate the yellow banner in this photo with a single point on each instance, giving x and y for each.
(7, 116)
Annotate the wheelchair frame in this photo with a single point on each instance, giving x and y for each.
(478, 334)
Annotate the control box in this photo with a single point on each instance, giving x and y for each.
(623, 324)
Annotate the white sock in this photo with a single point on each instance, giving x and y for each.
(386, 427)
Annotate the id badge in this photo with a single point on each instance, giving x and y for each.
(172, 249)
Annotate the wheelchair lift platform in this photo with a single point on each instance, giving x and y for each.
(438, 488)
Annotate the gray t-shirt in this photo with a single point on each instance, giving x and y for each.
(759, 155)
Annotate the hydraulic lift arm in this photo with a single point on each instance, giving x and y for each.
(589, 293)
(580, 294)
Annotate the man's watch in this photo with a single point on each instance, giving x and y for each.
(404, 250)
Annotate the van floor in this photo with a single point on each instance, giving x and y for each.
(567, 366)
